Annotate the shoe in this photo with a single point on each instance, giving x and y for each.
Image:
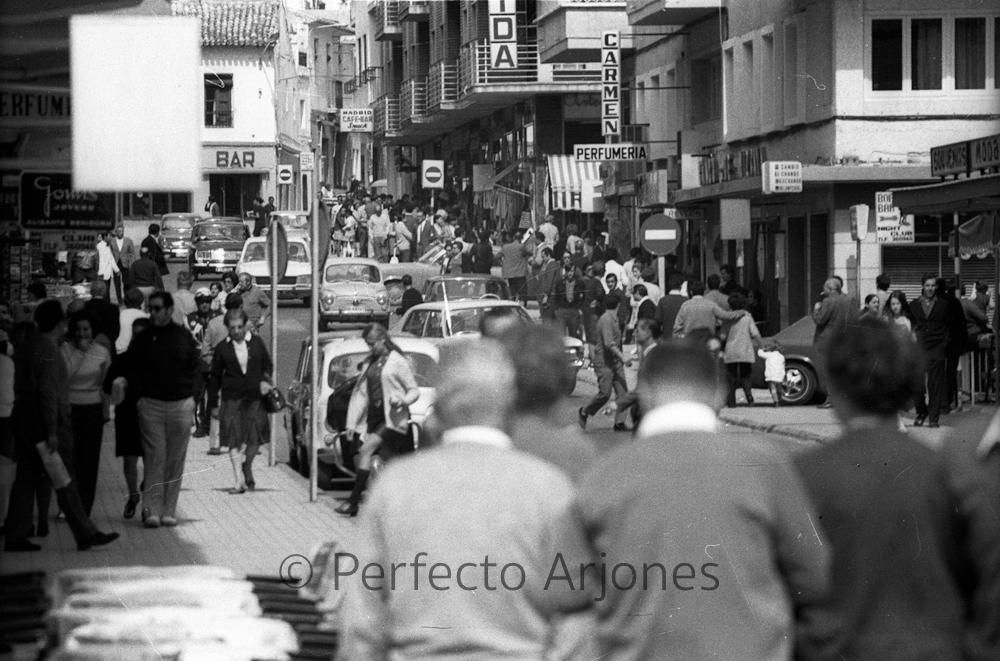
(169, 522)
(933, 424)
(621, 427)
(130, 505)
(777, 405)
(97, 539)
(150, 520)
(21, 545)
(42, 529)
(919, 420)
(235, 492)
(251, 486)
(214, 451)
(200, 433)
(347, 509)
(825, 405)
(581, 418)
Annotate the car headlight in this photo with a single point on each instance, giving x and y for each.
(328, 299)
(381, 300)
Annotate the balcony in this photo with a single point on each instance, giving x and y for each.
(386, 116)
(670, 12)
(571, 31)
(412, 102)
(442, 87)
(476, 75)
(414, 10)
(387, 25)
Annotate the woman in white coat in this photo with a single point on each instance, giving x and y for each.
(107, 266)
(379, 409)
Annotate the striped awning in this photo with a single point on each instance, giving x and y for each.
(568, 182)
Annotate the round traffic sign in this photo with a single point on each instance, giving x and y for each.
(660, 234)
(432, 174)
(285, 174)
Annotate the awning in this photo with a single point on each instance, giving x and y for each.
(978, 237)
(971, 194)
(570, 181)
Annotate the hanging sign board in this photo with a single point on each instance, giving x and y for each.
(503, 34)
(611, 87)
(357, 120)
(781, 177)
(891, 226)
(622, 151)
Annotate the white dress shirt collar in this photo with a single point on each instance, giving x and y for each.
(679, 416)
(477, 434)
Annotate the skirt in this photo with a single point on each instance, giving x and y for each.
(243, 423)
(128, 438)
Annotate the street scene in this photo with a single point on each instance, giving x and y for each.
(529, 329)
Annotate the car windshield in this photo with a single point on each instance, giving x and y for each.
(219, 233)
(432, 256)
(344, 368)
(428, 323)
(298, 221)
(176, 224)
(297, 252)
(256, 252)
(351, 273)
(464, 289)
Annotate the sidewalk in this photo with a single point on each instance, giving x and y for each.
(251, 533)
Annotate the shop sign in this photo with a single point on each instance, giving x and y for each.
(687, 213)
(73, 241)
(357, 120)
(234, 159)
(622, 151)
(781, 177)
(984, 153)
(891, 226)
(25, 105)
(48, 201)
(503, 34)
(611, 87)
(306, 161)
(722, 166)
(950, 159)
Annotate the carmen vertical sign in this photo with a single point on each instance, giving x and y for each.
(503, 34)
(611, 86)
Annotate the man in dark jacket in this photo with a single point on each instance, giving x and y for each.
(569, 298)
(668, 306)
(932, 324)
(144, 274)
(152, 245)
(832, 314)
(411, 296)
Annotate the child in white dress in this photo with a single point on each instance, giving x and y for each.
(774, 368)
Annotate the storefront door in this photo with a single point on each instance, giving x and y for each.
(235, 192)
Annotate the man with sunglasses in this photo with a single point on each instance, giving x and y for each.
(163, 373)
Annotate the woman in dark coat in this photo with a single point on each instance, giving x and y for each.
(240, 375)
(128, 438)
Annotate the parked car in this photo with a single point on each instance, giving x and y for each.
(296, 223)
(465, 287)
(802, 381)
(352, 292)
(441, 320)
(216, 245)
(297, 282)
(430, 264)
(175, 233)
(341, 357)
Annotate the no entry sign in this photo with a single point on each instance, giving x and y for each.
(432, 174)
(660, 235)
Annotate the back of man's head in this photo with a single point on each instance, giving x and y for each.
(98, 289)
(48, 314)
(696, 288)
(883, 282)
(476, 385)
(681, 371)
(134, 298)
(674, 281)
(834, 285)
(407, 280)
(714, 281)
(234, 301)
(538, 355)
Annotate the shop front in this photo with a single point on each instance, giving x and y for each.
(235, 174)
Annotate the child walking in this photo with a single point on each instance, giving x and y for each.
(774, 368)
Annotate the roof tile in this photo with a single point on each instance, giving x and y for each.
(232, 23)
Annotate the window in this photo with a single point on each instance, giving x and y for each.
(303, 59)
(706, 90)
(887, 55)
(925, 53)
(793, 91)
(970, 53)
(996, 52)
(218, 100)
(767, 101)
(150, 206)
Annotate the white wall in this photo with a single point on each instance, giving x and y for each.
(252, 98)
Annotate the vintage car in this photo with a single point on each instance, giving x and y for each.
(465, 287)
(296, 223)
(216, 245)
(352, 292)
(802, 381)
(297, 282)
(341, 356)
(430, 264)
(175, 233)
(440, 320)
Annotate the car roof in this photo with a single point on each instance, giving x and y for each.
(179, 216)
(466, 305)
(220, 220)
(356, 344)
(298, 238)
(291, 212)
(332, 261)
(464, 276)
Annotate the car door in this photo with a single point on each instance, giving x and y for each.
(299, 392)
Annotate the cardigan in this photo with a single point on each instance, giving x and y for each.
(398, 383)
(225, 378)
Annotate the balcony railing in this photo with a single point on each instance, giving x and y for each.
(475, 69)
(442, 85)
(219, 119)
(412, 101)
(386, 115)
(414, 10)
(387, 24)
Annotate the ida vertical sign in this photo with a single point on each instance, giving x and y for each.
(611, 86)
(503, 34)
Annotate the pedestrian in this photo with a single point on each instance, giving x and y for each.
(152, 245)
(124, 253)
(269, 208)
(609, 366)
(184, 303)
(932, 323)
(107, 265)
(614, 290)
(212, 207)
(261, 217)
(127, 316)
(668, 306)
(379, 410)
(128, 437)
(515, 264)
(882, 289)
(144, 274)
(411, 296)
(699, 317)
(740, 351)
(198, 322)
(43, 434)
(569, 299)
(712, 293)
(548, 276)
(872, 307)
(831, 314)
(404, 241)
(647, 336)
(721, 568)
(644, 306)
(239, 377)
(906, 583)
(729, 286)
(549, 230)
(256, 303)
(104, 316)
(958, 344)
(426, 233)
(774, 368)
(163, 375)
(482, 253)
(479, 498)
(453, 259)
(87, 363)
(216, 332)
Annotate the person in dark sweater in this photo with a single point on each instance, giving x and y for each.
(163, 374)
(914, 550)
(668, 306)
(932, 325)
(411, 296)
(151, 244)
(144, 274)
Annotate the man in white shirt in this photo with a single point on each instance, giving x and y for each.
(132, 311)
(184, 303)
(550, 231)
(472, 519)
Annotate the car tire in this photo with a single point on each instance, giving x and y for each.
(800, 384)
(306, 301)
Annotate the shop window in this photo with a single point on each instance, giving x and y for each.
(706, 90)
(180, 202)
(218, 100)
(925, 53)
(141, 205)
(970, 53)
(996, 52)
(887, 55)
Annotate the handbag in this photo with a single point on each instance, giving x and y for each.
(274, 401)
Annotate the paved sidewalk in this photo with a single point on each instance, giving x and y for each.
(251, 533)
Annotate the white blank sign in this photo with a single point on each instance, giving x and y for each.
(136, 86)
(661, 235)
